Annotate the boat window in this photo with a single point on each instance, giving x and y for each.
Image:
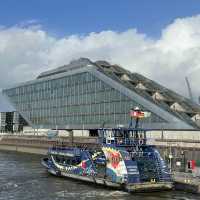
(112, 134)
(67, 161)
(108, 141)
(93, 132)
(75, 162)
(100, 133)
(136, 135)
(131, 133)
(118, 133)
(141, 135)
(59, 159)
(105, 133)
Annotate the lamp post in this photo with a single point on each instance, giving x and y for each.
(170, 158)
(170, 162)
(183, 160)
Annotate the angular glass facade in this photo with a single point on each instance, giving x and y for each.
(79, 99)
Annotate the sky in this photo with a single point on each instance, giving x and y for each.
(66, 17)
(159, 39)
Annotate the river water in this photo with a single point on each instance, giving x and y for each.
(23, 178)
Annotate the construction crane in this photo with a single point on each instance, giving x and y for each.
(189, 89)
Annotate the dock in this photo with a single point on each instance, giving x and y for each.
(186, 182)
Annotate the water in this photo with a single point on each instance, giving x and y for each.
(23, 178)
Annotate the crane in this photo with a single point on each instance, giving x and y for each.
(189, 89)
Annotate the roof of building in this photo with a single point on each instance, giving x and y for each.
(81, 62)
(168, 100)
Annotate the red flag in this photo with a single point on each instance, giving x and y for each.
(136, 114)
(193, 164)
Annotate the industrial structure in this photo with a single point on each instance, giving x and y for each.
(89, 95)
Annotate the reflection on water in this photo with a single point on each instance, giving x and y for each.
(23, 178)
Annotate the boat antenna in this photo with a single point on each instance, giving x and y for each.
(103, 124)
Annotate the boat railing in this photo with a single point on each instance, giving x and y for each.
(125, 141)
(133, 141)
(145, 154)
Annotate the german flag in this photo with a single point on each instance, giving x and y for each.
(136, 114)
(139, 114)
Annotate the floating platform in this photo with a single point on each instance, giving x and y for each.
(186, 182)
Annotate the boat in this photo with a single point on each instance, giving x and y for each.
(122, 161)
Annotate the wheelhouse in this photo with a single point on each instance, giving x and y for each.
(122, 136)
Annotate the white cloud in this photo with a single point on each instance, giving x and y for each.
(27, 51)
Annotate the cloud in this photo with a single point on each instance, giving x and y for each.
(27, 51)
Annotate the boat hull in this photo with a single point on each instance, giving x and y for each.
(136, 187)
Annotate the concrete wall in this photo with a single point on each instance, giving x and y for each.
(159, 134)
(31, 150)
(177, 135)
(62, 133)
(27, 130)
(79, 133)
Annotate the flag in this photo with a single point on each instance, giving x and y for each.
(139, 114)
(147, 114)
(136, 114)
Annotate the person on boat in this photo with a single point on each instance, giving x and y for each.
(119, 141)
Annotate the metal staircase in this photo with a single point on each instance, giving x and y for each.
(150, 166)
(162, 170)
(158, 167)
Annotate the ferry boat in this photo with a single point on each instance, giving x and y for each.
(123, 160)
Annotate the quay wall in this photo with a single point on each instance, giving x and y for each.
(31, 150)
(40, 144)
(174, 135)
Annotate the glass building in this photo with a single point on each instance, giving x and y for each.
(89, 95)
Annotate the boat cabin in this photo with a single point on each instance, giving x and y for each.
(66, 155)
(122, 136)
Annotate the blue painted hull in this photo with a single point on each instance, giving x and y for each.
(138, 187)
(123, 160)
